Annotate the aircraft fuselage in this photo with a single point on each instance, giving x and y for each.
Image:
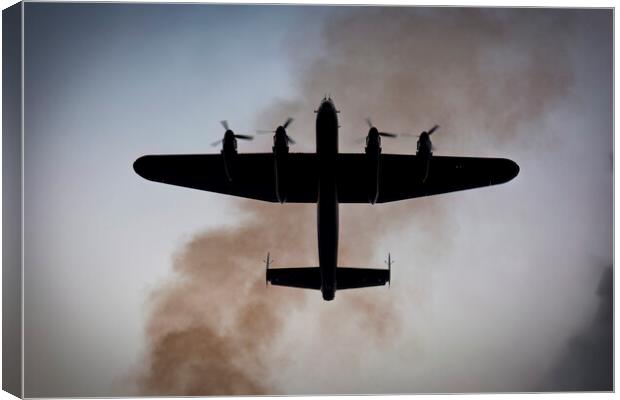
(327, 205)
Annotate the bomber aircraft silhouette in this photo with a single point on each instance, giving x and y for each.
(326, 178)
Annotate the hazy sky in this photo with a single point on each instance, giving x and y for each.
(493, 290)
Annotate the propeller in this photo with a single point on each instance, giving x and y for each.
(433, 129)
(285, 125)
(384, 134)
(236, 136)
(430, 132)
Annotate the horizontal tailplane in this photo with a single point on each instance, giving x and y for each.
(304, 278)
(310, 278)
(351, 278)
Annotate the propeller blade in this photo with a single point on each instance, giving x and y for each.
(290, 139)
(387, 134)
(433, 129)
(217, 143)
(224, 124)
(369, 122)
(244, 137)
(287, 122)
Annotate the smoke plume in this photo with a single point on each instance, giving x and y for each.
(487, 77)
(212, 327)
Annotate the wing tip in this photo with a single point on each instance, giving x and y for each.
(509, 172)
(138, 165)
(141, 167)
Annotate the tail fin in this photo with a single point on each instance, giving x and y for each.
(389, 263)
(267, 264)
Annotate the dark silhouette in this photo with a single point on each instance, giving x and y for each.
(326, 178)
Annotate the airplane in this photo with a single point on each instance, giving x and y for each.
(326, 178)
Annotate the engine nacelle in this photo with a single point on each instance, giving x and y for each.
(425, 146)
(281, 170)
(424, 155)
(229, 153)
(373, 155)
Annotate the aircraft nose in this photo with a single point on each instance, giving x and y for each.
(327, 105)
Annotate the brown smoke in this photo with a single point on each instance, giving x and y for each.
(478, 73)
(211, 329)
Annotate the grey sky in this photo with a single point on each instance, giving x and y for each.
(105, 84)
(489, 285)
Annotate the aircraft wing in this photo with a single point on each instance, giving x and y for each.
(253, 174)
(401, 176)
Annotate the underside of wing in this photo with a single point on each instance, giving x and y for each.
(403, 177)
(246, 175)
